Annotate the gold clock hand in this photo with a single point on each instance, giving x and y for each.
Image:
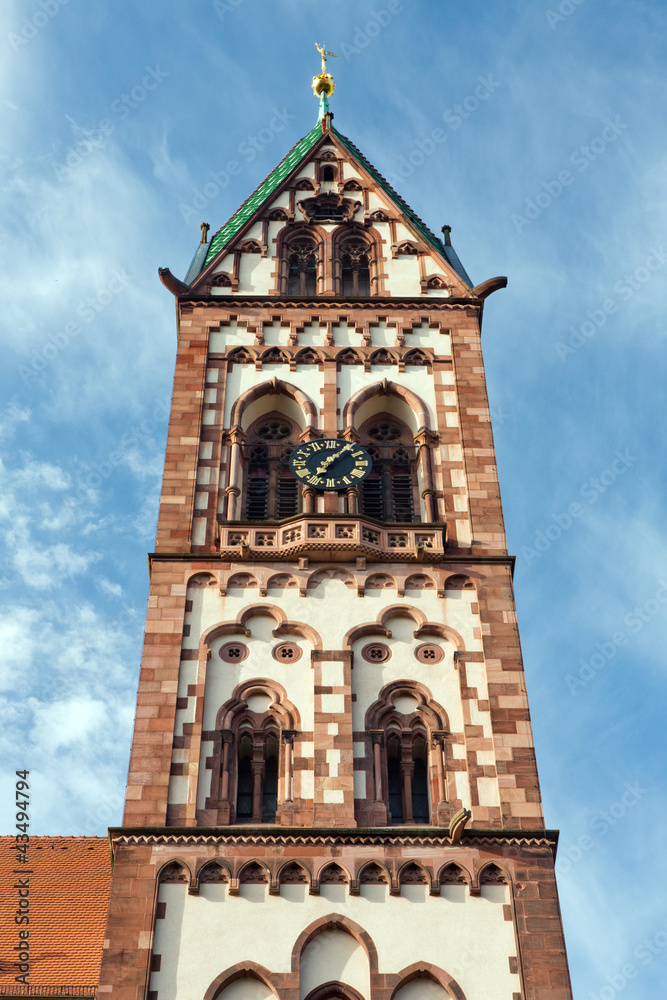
(332, 458)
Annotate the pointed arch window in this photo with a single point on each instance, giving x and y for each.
(407, 731)
(257, 776)
(355, 268)
(253, 757)
(390, 492)
(271, 491)
(355, 262)
(407, 777)
(299, 270)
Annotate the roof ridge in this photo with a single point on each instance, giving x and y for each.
(435, 241)
(213, 249)
(386, 182)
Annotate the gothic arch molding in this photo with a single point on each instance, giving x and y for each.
(333, 920)
(403, 875)
(424, 627)
(210, 864)
(330, 573)
(332, 867)
(380, 875)
(281, 707)
(199, 581)
(361, 631)
(420, 970)
(453, 867)
(334, 989)
(275, 387)
(381, 712)
(493, 873)
(291, 865)
(385, 388)
(244, 970)
(173, 863)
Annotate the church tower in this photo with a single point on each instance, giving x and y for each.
(332, 790)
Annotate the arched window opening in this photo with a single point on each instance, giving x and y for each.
(302, 278)
(355, 263)
(394, 779)
(257, 492)
(270, 786)
(327, 173)
(257, 777)
(390, 492)
(420, 810)
(300, 264)
(253, 756)
(244, 781)
(355, 268)
(407, 778)
(272, 492)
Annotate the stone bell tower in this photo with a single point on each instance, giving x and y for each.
(332, 788)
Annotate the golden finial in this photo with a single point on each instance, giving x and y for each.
(323, 83)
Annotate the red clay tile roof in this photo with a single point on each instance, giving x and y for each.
(69, 896)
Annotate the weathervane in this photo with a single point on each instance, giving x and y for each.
(323, 52)
(323, 83)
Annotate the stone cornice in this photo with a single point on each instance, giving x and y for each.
(308, 837)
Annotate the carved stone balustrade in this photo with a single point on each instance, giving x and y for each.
(331, 538)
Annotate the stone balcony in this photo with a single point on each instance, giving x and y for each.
(334, 538)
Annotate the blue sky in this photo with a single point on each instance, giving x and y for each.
(537, 132)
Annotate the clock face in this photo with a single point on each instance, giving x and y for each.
(330, 464)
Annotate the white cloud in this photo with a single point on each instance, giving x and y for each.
(113, 589)
(62, 723)
(14, 416)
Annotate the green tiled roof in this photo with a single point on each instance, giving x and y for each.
(430, 237)
(284, 168)
(260, 194)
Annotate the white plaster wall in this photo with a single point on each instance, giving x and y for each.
(351, 610)
(256, 274)
(229, 335)
(244, 377)
(248, 988)
(441, 679)
(352, 378)
(202, 936)
(403, 274)
(420, 989)
(334, 956)
(222, 678)
(275, 335)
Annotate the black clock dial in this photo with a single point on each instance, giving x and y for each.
(330, 464)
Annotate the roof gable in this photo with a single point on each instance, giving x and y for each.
(291, 164)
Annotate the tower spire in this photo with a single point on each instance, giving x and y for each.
(323, 85)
